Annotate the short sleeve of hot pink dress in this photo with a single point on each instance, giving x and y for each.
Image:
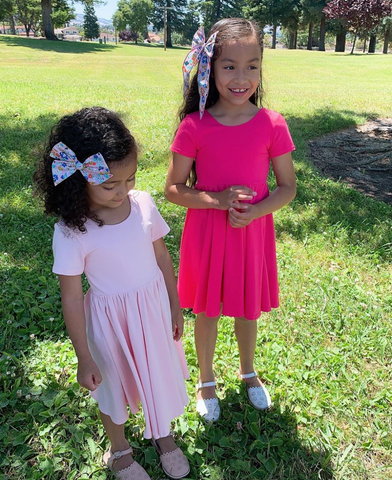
(223, 269)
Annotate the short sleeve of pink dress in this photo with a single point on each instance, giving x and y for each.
(220, 266)
(128, 317)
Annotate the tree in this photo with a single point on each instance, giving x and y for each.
(7, 12)
(266, 12)
(312, 14)
(176, 15)
(62, 13)
(28, 12)
(386, 29)
(358, 14)
(213, 10)
(47, 24)
(90, 23)
(133, 15)
(291, 20)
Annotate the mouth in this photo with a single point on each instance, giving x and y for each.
(118, 201)
(238, 91)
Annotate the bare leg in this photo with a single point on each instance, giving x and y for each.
(118, 441)
(206, 332)
(246, 333)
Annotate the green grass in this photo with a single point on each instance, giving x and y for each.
(326, 353)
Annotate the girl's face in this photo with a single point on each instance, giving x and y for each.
(112, 193)
(237, 71)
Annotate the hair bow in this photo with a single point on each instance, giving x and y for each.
(94, 169)
(201, 52)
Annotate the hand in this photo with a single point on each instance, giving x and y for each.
(242, 215)
(177, 324)
(88, 375)
(233, 195)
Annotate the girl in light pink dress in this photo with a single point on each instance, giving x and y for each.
(126, 330)
(222, 153)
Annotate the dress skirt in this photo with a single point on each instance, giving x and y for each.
(134, 330)
(228, 270)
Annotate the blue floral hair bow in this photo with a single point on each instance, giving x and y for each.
(94, 169)
(201, 52)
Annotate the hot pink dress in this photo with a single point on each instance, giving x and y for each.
(221, 266)
(128, 319)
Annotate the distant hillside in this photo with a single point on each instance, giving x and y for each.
(78, 20)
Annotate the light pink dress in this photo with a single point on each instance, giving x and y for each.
(221, 266)
(128, 319)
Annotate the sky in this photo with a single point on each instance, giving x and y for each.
(104, 11)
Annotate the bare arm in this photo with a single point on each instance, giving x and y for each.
(177, 192)
(283, 194)
(89, 375)
(165, 264)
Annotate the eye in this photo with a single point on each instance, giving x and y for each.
(252, 67)
(229, 67)
(108, 188)
(131, 179)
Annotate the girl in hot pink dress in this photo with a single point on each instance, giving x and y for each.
(222, 153)
(126, 331)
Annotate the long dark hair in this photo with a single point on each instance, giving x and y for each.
(228, 29)
(86, 132)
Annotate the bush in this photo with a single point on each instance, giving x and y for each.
(128, 36)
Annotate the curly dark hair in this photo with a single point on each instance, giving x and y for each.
(86, 132)
(228, 29)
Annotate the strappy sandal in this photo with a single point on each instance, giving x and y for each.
(134, 472)
(174, 464)
(258, 396)
(208, 408)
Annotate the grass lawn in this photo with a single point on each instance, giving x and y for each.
(325, 353)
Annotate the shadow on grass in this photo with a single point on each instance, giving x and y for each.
(246, 444)
(55, 46)
(323, 204)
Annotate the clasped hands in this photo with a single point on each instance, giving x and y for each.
(240, 214)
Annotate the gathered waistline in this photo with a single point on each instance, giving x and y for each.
(100, 294)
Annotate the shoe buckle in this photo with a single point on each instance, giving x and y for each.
(118, 454)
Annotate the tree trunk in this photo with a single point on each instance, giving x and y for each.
(47, 24)
(310, 37)
(12, 25)
(322, 34)
(386, 39)
(372, 44)
(168, 30)
(340, 45)
(364, 44)
(355, 39)
(293, 40)
(218, 9)
(274, 36)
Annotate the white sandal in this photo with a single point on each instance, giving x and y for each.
(134, 472)
(208, 408)
(258, 396)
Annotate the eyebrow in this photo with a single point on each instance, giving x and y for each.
(116, 181)
(256, 59)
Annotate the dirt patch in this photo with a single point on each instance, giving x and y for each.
(360, 156)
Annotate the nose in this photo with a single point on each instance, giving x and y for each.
(241, 76)
(123, 190)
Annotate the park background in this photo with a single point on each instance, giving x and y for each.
(325, 353)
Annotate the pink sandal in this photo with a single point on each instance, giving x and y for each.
(174, 464)
(133, 472)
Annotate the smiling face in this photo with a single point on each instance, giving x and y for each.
(237, 72)
(112, 193)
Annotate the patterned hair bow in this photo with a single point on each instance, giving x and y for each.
(201, 52)
(94, 169)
